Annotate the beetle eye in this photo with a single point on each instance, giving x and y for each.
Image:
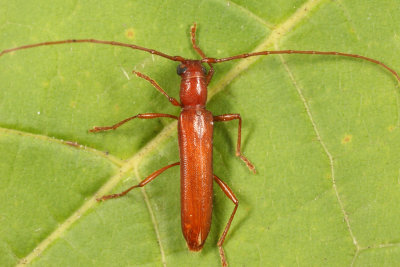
(180, 69)
(204, 69)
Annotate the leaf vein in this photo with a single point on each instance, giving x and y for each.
(326, 150)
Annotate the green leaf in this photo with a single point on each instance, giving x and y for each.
(322, 131)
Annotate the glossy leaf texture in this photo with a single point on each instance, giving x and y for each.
(322, 131)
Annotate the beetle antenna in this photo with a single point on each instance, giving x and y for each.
(132, 46)
(279, 52)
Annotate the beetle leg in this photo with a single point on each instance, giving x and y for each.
(149, 178)
(229, 117)
(228, 192)
(139, 116)
(158, 87)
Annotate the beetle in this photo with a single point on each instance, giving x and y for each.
(195, 129)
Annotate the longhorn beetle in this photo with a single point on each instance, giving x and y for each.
(195, 131)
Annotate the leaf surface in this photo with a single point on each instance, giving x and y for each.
(322, 131)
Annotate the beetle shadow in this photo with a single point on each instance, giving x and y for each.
(221, 153)
(220, 222)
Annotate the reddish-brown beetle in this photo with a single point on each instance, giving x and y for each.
(195, 129)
